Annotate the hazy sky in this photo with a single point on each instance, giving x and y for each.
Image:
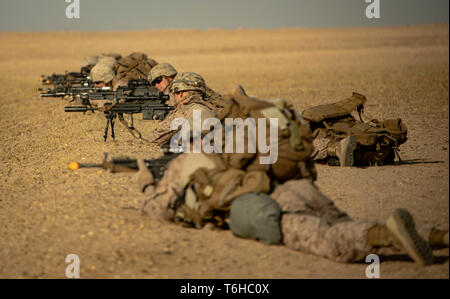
(99, 15)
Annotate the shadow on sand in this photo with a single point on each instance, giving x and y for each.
(416, 161)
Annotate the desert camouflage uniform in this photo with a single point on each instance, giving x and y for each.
(310, 221)
(211, 94)
(159, 197)
(162, 134)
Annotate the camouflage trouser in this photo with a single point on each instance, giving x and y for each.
(312, 223)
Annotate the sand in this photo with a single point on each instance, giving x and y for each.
(48, 211)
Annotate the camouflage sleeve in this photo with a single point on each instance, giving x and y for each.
(162, 134)
(159, 197)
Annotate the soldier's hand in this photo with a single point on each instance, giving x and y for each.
(144, 177)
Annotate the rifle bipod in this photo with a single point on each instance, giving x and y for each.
(109, 122)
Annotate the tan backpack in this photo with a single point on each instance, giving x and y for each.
(134, 66)
(378, 141)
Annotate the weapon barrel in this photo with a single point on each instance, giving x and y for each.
(79, 108)
(156, 166)
(52, 94)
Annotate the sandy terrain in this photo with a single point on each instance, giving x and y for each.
(48, 211)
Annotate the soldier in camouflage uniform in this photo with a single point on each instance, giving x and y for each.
(310, 222)
(188, 91)
(162, 76)
(87, 63)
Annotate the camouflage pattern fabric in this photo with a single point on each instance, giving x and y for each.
(312, 223)
(160, 197)
(320, 148)
(162, 134)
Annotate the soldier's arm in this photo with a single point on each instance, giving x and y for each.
(158, 197)
(162, 134)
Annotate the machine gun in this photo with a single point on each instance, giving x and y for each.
(62, 91)
(71, 78)
(156, 166)
(152, 107)
(87, 91)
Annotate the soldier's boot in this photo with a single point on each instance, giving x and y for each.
(343, 150)
(239, 90)
(438, 238)
(400, 232)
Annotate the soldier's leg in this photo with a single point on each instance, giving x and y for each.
(313, 224)
(341, 242)
(351, 241)
(302, 196)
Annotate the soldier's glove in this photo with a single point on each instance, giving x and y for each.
(144, 177)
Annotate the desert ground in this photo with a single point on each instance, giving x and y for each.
(48, 211)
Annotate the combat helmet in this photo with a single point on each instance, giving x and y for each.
(89, 60)
(102, 73)
(106, 60)
(161, 69)
(188, 82)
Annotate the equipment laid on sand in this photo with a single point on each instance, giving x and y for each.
(377, 141)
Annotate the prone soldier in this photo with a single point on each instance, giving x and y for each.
(188, 91)
(162, 76)
(278, 202)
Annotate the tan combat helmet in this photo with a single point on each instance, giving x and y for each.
(106, 60)
(102, 73)
(89, 60)
(188, 82)
(161, 69)
(116, 56)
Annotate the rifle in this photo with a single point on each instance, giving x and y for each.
(152, 108)
(65, 79)
(87, 91)
(62, 91)
(156, 166)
